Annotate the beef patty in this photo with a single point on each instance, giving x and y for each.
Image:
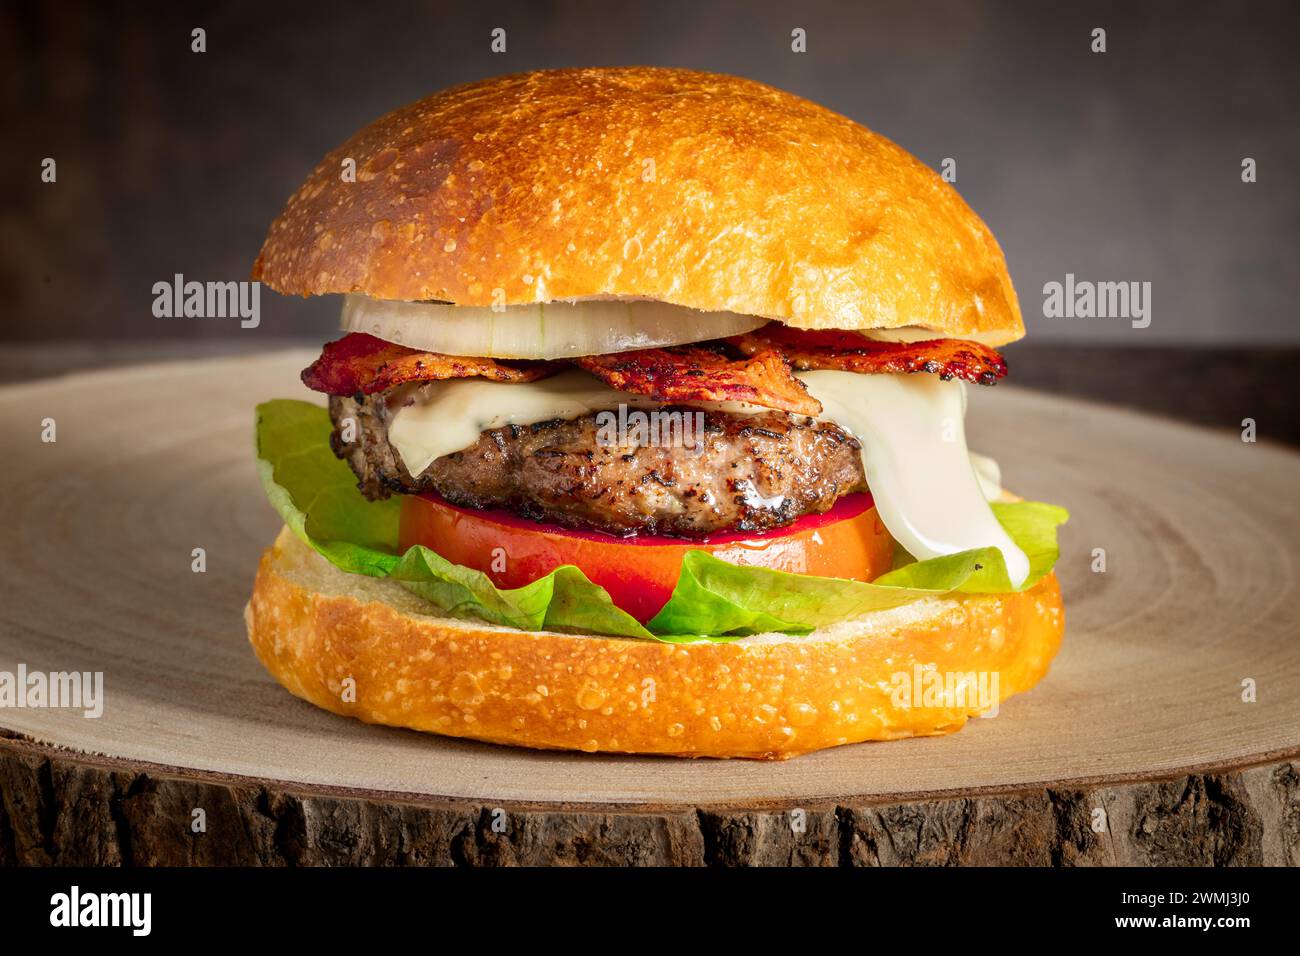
(752, 473)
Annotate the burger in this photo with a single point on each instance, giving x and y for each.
(645, 430)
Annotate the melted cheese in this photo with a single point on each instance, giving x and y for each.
(926, 489)
(437, 418)
(930, 492)
(989, 473)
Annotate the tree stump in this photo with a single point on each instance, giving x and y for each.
(1167, 733)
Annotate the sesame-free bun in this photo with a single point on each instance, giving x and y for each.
(769, 696)
(698, 189)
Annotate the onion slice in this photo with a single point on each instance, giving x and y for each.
(551, 330)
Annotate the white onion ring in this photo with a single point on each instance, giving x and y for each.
(553, 330)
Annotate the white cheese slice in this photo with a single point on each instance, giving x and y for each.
(438, 418)
(913, 438)
(989, 473)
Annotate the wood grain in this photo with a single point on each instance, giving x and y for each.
(1142, 714)
(67, 810)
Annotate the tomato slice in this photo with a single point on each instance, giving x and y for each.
(640, 571)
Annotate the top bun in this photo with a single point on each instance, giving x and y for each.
(698, 189)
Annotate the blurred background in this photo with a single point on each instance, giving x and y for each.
(1117, 166)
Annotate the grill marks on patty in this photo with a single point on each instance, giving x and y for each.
(754, 472)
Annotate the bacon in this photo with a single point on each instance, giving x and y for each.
(704, 373)
(362, 364)
(850, 352)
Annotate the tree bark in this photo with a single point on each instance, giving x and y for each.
(61, 808)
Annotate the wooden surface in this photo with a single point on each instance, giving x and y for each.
(1141, 717)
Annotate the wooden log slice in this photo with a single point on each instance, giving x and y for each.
(1167, 732)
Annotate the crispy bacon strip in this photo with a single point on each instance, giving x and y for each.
(362, 364)
(704, 373)
(850, 352)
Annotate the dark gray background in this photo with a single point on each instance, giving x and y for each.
(1120, 166)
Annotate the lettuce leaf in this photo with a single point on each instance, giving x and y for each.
(1032, 526)
(564, 600)
(316, 495)
(715, 600)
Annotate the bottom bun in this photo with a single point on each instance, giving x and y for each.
(367, 648)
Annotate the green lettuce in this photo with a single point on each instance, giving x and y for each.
(717, 600)
(316, 495)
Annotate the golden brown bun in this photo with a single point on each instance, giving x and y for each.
(771, 696)
(758, 202)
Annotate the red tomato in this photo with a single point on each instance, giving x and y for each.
(639, 571)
